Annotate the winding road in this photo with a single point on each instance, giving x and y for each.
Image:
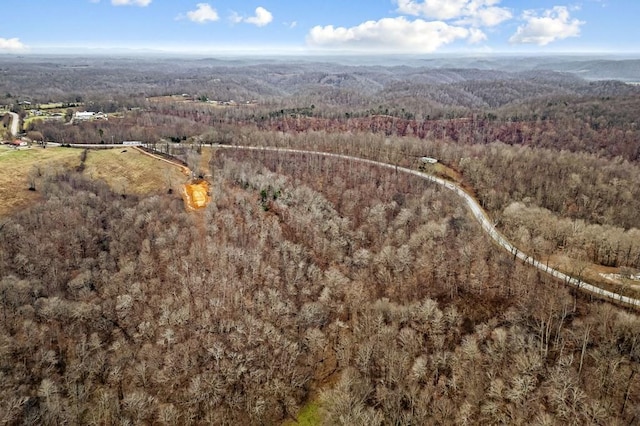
(477, 212)
(15, 122)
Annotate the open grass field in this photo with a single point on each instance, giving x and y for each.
(129, 171)
(16, 165)
(52, 105)
(29, 120)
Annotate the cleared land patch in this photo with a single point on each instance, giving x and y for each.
(197, 194)
(129, 171)
(632, 281)
(133, 171)
(606, 277)
(18, 166)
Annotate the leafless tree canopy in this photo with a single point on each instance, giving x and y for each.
(309, 278)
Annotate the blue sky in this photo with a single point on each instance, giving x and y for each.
(322, 26)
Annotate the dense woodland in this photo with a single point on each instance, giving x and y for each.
(380, 292)
(308, 279)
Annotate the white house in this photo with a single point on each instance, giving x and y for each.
(83, 115)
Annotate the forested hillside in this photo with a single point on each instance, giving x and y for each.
(312, 282)
(314, 274)
(127, 81)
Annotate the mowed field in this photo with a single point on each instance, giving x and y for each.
(126, 171)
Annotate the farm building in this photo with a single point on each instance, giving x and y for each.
(88, 115)
(83, 115)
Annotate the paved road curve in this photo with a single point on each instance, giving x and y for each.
(15, 122)
(478, 213)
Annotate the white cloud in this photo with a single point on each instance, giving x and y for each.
(487, 17)
(11, 44)
(261, 18)
(554, 24)
(476, 36)
(391, 35)
(436, 23)
(204, 13)
(437, 9)
(468, 12)
(141, 3)
(235, 18)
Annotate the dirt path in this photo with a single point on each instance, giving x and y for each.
(195, 192)
(184, 169)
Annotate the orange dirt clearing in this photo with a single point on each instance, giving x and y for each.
(197, 194)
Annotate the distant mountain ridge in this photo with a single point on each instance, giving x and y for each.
(625, 70)
(402, 81)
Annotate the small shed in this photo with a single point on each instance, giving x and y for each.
(428, 160)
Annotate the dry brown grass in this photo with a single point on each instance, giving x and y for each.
(592, 273)
(205, 159)
(129, 171)
(15, 167)
(126, 171)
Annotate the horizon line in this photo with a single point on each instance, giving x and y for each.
(253, 52)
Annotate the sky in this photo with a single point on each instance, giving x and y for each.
(321, 26)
